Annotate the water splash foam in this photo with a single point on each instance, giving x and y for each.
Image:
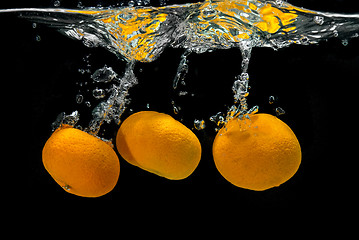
(142, 33)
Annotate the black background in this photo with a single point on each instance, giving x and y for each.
(315, 85)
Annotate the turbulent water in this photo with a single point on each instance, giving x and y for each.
(140, 34)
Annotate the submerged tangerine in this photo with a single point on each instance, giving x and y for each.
(256, 154)
(158, 143)
(81, 163)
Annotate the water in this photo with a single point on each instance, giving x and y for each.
(141, 33)
(112, 108)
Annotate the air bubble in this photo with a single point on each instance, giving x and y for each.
(79, 98)
(176, 109)
(253, 110)
(271, 99)
(199, 124)
(71, 119)
(62, 118)
(131, 3)
(182, 70)
(38, 38)
(58, 121)
(182, 93)
(240, 86)
(218, 119)
(279, 3)
(304, 40)
(319, 20)
(279, 111)
(66, 187)
(105, 74)
(57, 3)
(98, 93)
(80, 5)
(163, 2)
(345, 42)
(209, 13)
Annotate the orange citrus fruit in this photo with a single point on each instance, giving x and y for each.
(257, 153)
(158, 143)
(81, 163)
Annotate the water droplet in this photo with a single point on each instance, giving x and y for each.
(98, 93)
(34, 25)
(88, 104)
(79, 98)
(279, 111)
(271, 99)
(199, 124)
(319, 20)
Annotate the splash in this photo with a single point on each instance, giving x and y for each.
(140, 34)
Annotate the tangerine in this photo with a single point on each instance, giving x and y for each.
(81, 163)
(158, 143)
(257, 153)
